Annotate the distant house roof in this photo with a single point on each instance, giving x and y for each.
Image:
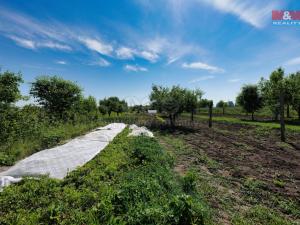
(152, 111)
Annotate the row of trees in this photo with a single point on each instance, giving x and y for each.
(57, 96)
(59, 101)
(173, 101)
(271, 92)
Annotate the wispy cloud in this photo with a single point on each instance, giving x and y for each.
(23, 42)
(125, 53)
(135, 68)
(234, 80)
(202, 79)
(34, 34)
(202, 66)
(293, 62)
(254, 13)
(100, 62)
(97, 45)
(61, 62)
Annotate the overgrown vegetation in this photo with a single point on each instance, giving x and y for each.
(129, 182)
(63, 113)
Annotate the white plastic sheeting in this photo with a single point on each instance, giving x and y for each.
(58, 161)
(139, 131)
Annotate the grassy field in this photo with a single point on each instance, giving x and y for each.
(130, 182)
(47, 137)
(234, 120)
(237, 172)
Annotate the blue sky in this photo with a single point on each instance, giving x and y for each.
(122, 47)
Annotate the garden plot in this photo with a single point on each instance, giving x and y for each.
(57, 162)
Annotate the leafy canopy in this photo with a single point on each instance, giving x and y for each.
(250, 98)
(9, 87)
(56, 94)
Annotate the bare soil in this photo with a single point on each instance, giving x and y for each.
(243, 152)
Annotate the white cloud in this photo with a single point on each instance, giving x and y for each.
(202, 66)
(150, 56)
(254, 13)
(234, 80)
(125, 53)
(34, 44)
(102, 62)
(53, 45)
(135, 68)
(61, 62)
(293, 62)
(97, 45)
(202, 79)
(23, 42)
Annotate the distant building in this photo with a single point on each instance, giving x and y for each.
(152, 111)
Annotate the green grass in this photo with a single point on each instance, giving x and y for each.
(130, 182)
(270, 125)
(47, 137)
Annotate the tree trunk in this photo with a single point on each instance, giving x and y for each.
(223, 110)
(192, 116)
(288, 111)
(252, 116)
(210, 116)
(299, 112)
(109, 114)
(276, 116)
(282, 124)
(171, 121)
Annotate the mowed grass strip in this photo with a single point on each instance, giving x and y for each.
(129, 182)
(271, 125)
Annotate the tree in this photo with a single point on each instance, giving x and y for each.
(9, 87)
(113, 104)
(276, 93)
(89, 104)
(102, 109)
(250, 99)
(137, 108)
(192, 98)
(55, 94)
(223, 105)
(168, 100)
(294, 86)
(122, 107)
(204, 103)
(270, 89)
(230, 104)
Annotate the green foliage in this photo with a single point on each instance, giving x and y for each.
(113, 188)
(189, 182)
(204, 103)
(293, 84)
(272, 88)
(55, 94)
(250, 99)
(173, 101)
(112, 104)
(260, 215)
(192, 98)
(9, 87)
